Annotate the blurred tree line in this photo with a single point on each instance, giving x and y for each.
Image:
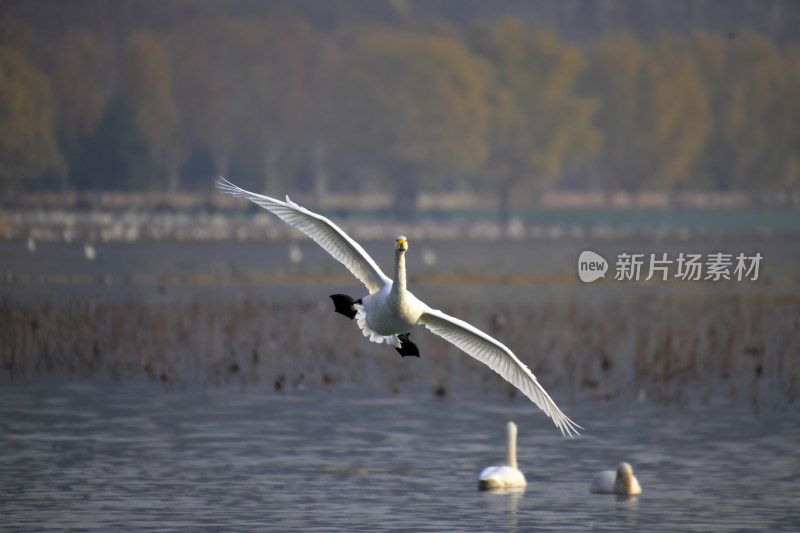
(278, 105)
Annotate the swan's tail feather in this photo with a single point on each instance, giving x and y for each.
(374, 336)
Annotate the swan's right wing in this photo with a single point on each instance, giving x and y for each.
(500, 359)
(324, 232)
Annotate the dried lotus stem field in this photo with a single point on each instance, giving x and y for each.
(663, 348)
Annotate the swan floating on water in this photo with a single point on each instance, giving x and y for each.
(387, 313)
(89, 251)
(506, 476)
(620, 482)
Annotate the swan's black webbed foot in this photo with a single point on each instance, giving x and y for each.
(343, 304)
(407, 346)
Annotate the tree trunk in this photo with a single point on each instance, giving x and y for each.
(221, 156)
(407, 190)
(271, 171)
(318, 156)
(504, 205)
(173, 180)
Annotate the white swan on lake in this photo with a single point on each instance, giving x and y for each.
(620, 482)
(389, 311)
(508, 475)
(89, 251)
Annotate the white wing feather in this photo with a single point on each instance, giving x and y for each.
(466, 337)
(324, 232)
(500, 359)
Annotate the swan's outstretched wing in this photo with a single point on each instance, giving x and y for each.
(500, 359)
(323, 231)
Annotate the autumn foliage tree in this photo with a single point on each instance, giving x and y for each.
(147, 89)
(81, 73)
(614, 77)
(282, 103)
(28, 144)
(754, 137)
(412, 104)
(539, 124)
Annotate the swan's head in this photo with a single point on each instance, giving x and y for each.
(625, 482)
(402, 244)
(624, 470)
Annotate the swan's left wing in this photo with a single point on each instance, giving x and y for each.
(500, 359)
(327, 234)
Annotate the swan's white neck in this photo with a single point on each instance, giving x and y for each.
(511, 445)
(399, 285)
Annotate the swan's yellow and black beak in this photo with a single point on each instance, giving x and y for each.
(402, 244)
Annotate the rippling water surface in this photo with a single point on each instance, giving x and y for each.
(95, 455)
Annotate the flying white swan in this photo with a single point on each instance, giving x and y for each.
(506, 476)
(620, 482)
(389, 311)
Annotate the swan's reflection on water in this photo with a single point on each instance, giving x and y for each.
(506, 501)
(628, 509)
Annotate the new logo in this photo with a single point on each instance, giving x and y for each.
(591, 266)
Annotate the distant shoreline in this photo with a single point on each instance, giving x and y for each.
(482, 203)
(136, 224)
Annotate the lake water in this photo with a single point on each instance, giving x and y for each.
(96, 455)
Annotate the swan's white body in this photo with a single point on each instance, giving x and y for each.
(621, 481)
(506, 476)
(390, 309)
